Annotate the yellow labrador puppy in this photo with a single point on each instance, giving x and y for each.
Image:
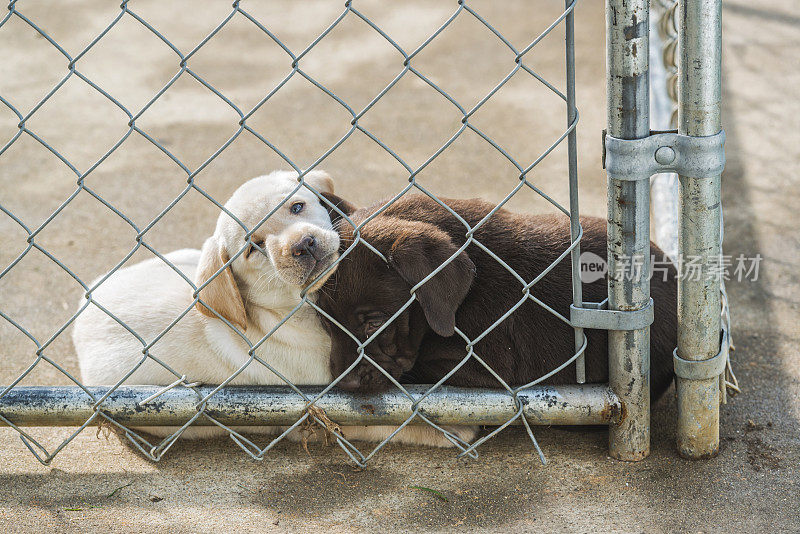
(254, 293)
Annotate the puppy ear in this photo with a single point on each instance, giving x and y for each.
(320, 180)
(419, 250)
(222, 293)
(343, 205)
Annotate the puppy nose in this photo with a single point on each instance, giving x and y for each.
(307, 245)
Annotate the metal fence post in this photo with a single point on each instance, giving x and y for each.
(700, 43)
(629, 225)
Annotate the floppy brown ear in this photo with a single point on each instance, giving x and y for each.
(222, 293)
(419, 249)
(343, 205)
(320, 180)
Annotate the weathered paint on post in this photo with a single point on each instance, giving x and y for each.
(593, 404)
(629, 225)
(700, 47)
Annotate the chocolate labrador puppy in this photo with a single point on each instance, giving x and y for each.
(416, 235)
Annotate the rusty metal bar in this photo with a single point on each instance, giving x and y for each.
(629, 225)
(271, 405)
(700, 46)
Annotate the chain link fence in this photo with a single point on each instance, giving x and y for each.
(183, 403)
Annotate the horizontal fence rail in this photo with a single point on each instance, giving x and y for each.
(278, 405)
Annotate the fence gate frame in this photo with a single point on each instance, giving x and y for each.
(632, 154)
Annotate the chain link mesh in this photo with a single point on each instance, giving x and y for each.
(516, 66)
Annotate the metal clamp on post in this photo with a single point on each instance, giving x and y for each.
(595, 315)
(703, 369)
(638, 159)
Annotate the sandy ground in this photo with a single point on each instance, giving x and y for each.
(97, 483)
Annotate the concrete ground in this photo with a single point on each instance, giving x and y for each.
(97, 483)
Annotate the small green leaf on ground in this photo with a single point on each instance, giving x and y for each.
(246, 487)
(438, 494)
(116, 490)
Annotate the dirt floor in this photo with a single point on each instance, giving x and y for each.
(98, 483)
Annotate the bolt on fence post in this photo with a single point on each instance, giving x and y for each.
(628, 91)
(574, 211)
(700, 43)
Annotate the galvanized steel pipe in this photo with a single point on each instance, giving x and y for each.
(700, 48)
(627, 81)
(574, 211)
(271, 405)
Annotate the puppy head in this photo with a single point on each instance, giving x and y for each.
(366, 292)
(289, 250)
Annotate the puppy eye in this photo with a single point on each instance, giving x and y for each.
(373, 324)
(297, 207)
